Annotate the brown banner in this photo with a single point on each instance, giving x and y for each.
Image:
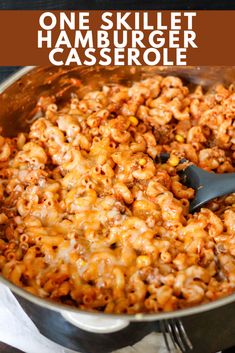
(178, 38)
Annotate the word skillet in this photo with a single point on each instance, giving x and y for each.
(120, 20)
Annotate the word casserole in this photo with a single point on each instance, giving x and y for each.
(90, 219)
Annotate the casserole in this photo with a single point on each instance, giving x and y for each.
(18, 99)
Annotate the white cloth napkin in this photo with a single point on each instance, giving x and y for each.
(18, 330)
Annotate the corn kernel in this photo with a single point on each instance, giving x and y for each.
(179, 138)
(133, 120)
(143, 261)
(81, 262)
(173, 161)
(142, 161)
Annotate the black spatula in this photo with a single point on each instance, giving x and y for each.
(208, 185)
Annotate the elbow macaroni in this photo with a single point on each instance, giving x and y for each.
(89, 219)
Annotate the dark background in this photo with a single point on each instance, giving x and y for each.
(5, 71)
(116, 4)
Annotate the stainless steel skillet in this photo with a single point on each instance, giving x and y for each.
(18, 96)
